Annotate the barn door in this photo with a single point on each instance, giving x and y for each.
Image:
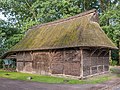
(41, 63)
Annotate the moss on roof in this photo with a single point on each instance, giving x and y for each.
(80, 30)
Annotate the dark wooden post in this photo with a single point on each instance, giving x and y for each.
(50, 53)
(16, 61)
(90, 65)
(24, 59)
(64, 57)
(31, 60)
(109, 57)
(31, 54)
(109, 54)
(81, 63)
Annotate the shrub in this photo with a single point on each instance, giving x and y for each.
(113, 62)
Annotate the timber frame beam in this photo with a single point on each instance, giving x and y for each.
(106, 52)
(93, 52)
(100, 52)
(81, 63)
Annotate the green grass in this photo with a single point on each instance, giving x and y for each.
(50, 79)
(115, 70)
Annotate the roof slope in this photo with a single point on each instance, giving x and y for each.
(79, 30)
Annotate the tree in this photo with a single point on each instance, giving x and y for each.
(23, 14)
(9, 35)
(110, 22)
(27, 13)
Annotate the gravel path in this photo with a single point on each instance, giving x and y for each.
(8, 84)
(116, 88)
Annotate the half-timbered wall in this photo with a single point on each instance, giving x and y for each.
(64, 61)
(24, 62)
(41, 62)
(95, 61)
(72, 61)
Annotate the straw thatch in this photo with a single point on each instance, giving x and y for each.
(80, 30)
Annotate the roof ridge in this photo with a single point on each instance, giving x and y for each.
(65, 19)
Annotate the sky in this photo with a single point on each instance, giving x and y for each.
(2, 16)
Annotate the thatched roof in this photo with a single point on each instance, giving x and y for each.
(77, 31)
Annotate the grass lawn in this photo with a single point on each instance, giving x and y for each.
(50, 79)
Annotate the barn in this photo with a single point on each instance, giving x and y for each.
(71, 47)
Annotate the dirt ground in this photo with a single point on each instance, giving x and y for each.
(8, 84)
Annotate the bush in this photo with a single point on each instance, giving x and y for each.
(113, 62)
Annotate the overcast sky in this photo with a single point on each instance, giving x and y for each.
(2, 16)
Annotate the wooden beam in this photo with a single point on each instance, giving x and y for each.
(90, 70)
(11, 56)
(81, 63)
(97, 63)
(103, 68)
(24, 61)
(109, 55)
(93, 52)
(106, 52)
(64, 57)
(24, 58)
(50, 54)
(90, 64)
(31, 54)
(100, 52)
